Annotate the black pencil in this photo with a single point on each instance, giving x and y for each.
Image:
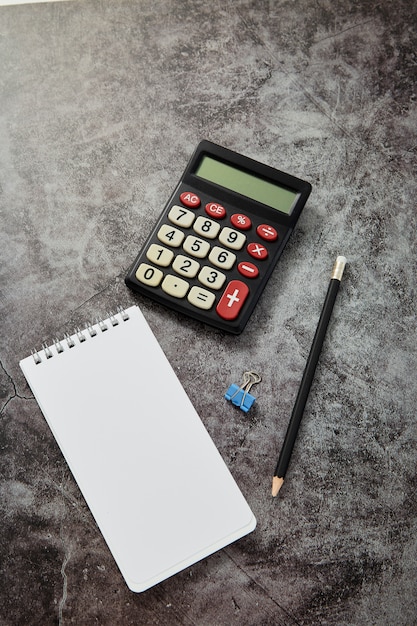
(310, 368)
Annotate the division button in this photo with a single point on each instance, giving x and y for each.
(248, 269)
(190, 199)
(266, 232)
(232, 300)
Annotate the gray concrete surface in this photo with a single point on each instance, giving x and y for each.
(101, 105)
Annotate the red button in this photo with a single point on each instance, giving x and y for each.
(217, 211)
(264, 231)
(241, 221)
(232, 300)
(190, 199)
(247, 269)
(257, 251)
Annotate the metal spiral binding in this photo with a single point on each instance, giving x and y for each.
(81, 335)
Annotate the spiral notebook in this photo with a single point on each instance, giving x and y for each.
(155, 483)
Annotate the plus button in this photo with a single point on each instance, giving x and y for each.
(232, 300)
(233, 297)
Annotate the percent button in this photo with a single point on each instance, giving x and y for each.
(241, 221)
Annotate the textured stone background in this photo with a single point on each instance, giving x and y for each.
(101, 104)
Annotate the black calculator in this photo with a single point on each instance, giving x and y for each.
(219, 237)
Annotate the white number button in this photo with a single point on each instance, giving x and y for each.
(232, 238)
(149, 275)
(159, 255)
(196, 247)
(222, 258)
(170, 236)
(201, 298)
(211, 278)
(206, 228)
(181, 217)
(174, 286)
(185, 266)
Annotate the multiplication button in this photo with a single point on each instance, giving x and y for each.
(201, 298)
(257, 251)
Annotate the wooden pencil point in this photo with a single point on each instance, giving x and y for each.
(276, 485)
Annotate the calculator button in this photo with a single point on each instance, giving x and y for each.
(216, 211)
(257, 251)
(159, 255)
(248, 269)
(189, 199)
(232, 300)
(196, 247)
(241, 221)
(174, 286)
(170, 236)
(181, 217)
(185, 266)
(222, 258)
(264, 231)
(149, 275)
(206, 228)
(232, 238)
(201, 298)
(211, 278)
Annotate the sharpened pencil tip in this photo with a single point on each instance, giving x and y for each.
(276, 485)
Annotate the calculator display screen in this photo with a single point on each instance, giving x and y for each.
(249, 185)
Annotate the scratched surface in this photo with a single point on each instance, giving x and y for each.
(101, 105)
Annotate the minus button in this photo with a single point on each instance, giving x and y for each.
(248, 270)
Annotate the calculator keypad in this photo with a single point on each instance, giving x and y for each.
(206, 254)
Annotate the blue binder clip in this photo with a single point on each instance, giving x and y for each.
(240, 396)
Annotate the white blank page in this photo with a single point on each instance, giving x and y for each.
(157, 486)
